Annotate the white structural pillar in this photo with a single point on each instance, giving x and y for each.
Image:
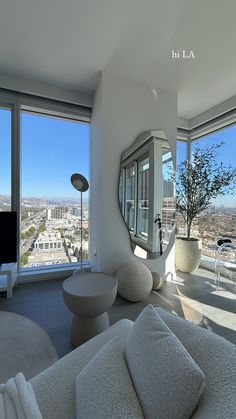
(122, 110)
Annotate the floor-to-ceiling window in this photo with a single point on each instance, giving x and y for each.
(168, 209)
(220, 218)
(40, 148)
(181, 155)
(52, 149)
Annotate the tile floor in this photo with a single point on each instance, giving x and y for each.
(191, 296)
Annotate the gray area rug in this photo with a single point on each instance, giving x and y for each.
(24, 347)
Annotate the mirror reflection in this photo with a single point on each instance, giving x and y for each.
(147, 193)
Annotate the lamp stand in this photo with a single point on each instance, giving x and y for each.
(81, 232)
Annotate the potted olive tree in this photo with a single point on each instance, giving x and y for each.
(197, 183)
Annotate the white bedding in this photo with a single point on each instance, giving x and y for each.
(17, 399)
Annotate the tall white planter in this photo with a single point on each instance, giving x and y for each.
(187, 254)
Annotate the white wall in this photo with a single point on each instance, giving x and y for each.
(122, 109)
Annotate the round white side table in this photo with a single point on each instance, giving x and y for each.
(88, 296)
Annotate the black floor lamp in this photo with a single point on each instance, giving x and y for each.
(81, 184)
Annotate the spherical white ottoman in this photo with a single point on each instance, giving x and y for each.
(157, 281)
(134, 281)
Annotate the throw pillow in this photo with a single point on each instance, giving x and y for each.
(167, 380)
(104, 388)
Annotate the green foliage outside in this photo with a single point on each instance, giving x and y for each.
(28, 233)
(24, 258)
(200, 181)
(24, 216)
(41, 228)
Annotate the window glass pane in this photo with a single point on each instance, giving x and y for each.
(220, 219)
(181, 155)
(143, 198)
(181, 151)
(52, 150)
(130, 196)
(168, 209)
(5, 159)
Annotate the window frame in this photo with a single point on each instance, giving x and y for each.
(201, 129)
(18, 102)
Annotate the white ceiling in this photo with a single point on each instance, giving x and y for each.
(68, 43)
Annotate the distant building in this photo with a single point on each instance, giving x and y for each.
(47, 241)
(168, 212)
(76, 211)
(56, 213)
(85, 214)
(168, 189)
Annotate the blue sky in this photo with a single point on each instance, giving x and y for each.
(52, 150)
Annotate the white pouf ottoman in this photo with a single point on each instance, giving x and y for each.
(88, 295)
(134, 281)
(24, 347)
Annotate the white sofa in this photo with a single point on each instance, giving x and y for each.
(55, 387)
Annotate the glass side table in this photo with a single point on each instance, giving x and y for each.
(225, 245)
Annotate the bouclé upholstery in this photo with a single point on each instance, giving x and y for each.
(55, 387)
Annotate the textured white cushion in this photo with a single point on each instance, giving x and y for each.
(167, 380)
(104, 388)
(215, 356)
(54, 387)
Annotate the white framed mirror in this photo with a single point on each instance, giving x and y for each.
(147, 193)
